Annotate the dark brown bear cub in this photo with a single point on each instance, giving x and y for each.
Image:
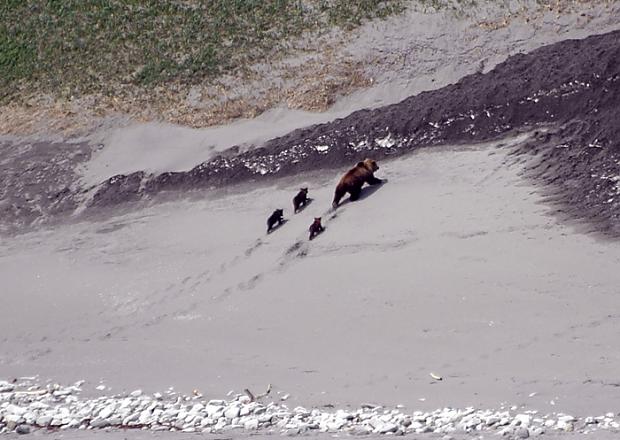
(316, 228)
(354, 179)
(300, 200)
(276, 217)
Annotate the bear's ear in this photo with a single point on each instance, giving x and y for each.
(361, 164)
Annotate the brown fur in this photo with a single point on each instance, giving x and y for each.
(274, 218)
(300, 200)
(316, 228)
(354, 179)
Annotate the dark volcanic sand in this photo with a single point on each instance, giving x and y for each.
(568, 92)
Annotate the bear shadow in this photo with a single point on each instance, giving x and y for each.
(278, 226)
(367, 191)
(301, 208)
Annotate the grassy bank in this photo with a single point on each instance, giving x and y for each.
(77, 47)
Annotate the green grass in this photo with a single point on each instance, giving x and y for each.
(75, 47)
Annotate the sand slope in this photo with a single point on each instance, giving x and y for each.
(454, 266)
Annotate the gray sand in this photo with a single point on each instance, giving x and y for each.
(453, 267)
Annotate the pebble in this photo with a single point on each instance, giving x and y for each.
(22, 429)
(522, 420)
(522, 432)
(232, 412)
(43, 421)
(63, 408)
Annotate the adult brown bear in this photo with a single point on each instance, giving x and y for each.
(353, 180)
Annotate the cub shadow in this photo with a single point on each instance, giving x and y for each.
(302, 208)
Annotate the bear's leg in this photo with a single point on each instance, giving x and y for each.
(338, 195)
(355, 193)
(372, 180)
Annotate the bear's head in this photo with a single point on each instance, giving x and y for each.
(303, 190)
(279, 212)
(371, 165)
(317, 220)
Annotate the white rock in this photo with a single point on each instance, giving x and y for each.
(136, 393)
(522, 420)
(492, 420)
(107, 411)
(522, 432)
(265, 418)
(114, 421)
(506, 431)
(416, 425)
(207, 422)
(130, 418)
(232, 412)
(99, 423)
(43, 421)
(144, 417)
(216, 402)
(565, 425)
(196, 408)
(335, 425)
(251, 423)
(386, 427)
(13, 418)
(14, 409)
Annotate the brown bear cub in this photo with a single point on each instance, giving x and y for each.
(353, 180)
(276, 217)
(316, 228)
(300, 200)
